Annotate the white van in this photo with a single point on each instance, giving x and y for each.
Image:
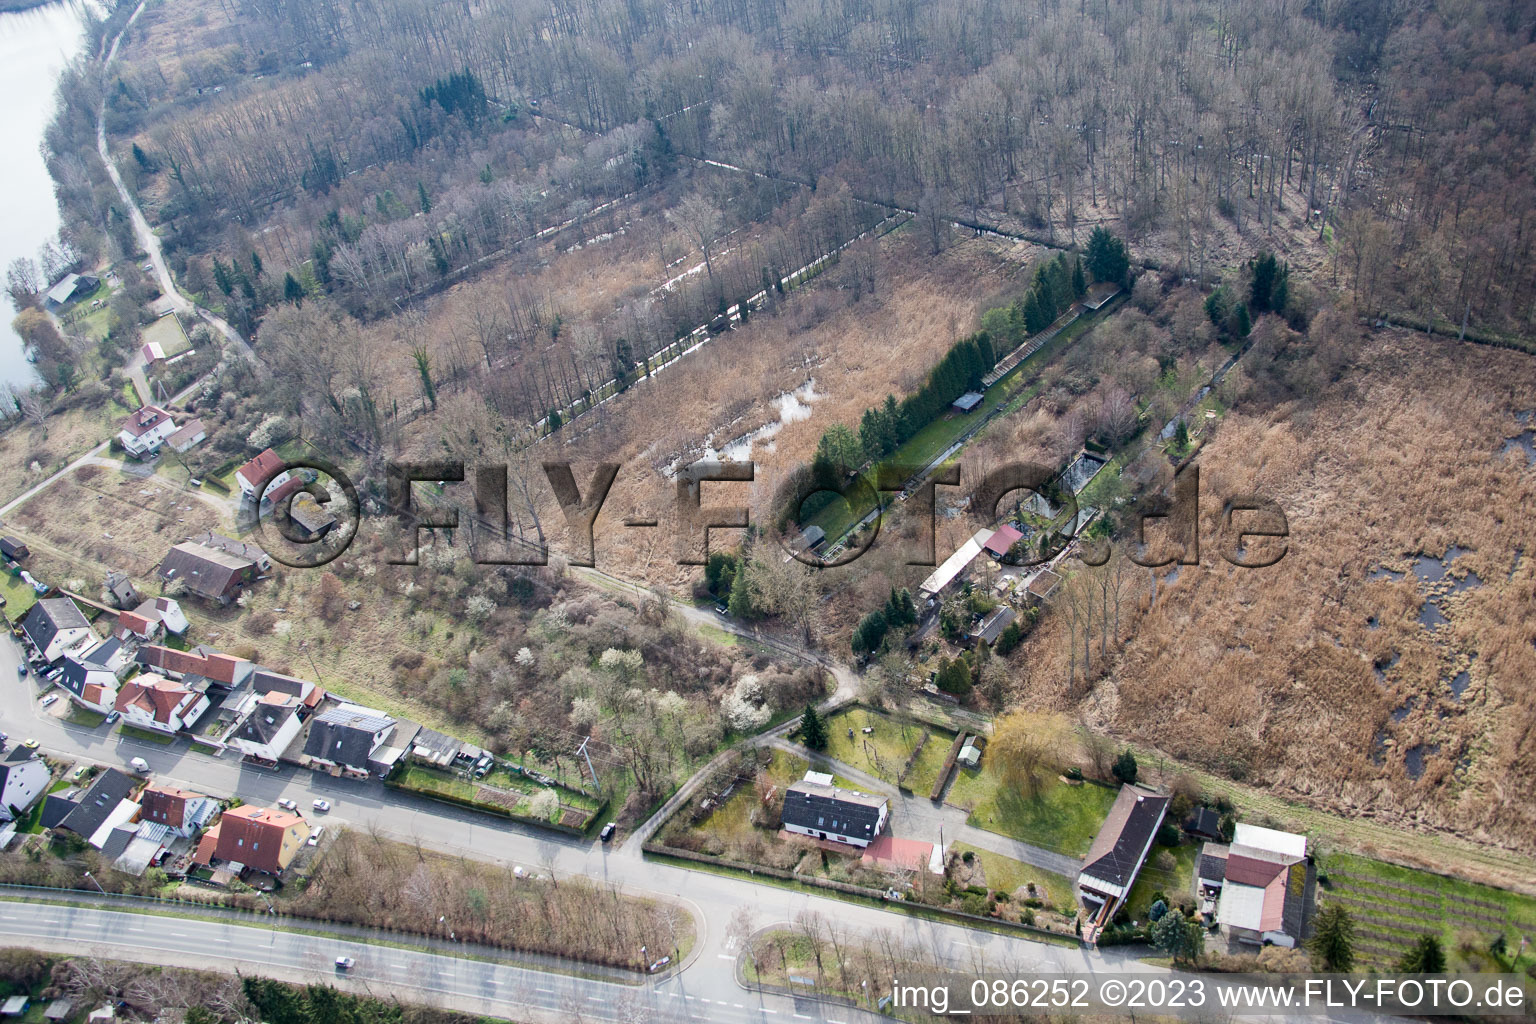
(138, 764)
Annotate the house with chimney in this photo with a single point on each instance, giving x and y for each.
(55, 625)
(267, 727)
(344, 737)
(200, 663)
(150, 620)
(90, 685)
(258, 838)
(145, 431)
(266, 477)
(182, 811)
(151, 701)
(106, 806)
(816, 808)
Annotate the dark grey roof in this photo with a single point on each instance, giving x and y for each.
(440, 744)
(264, 680)
(261, 725)
(829, 809)
(108, 790)
(1135, 828)
(1212, 868)
(1203, 822)
(344, 735)
(993, 627)
(969, 400)
(101, 654)
(55, 810)
(1296, 910)
(50, 617)
(206, 572)
(116, 842)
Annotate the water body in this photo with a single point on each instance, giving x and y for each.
(34, 47)
(1413, 758)
(1526, 442)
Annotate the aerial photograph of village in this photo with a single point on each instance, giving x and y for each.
(760, 511)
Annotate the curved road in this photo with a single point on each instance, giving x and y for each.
(141, 229)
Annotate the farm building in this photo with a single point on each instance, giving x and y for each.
(69, 288)
(967, 401)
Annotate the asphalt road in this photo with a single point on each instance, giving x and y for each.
(712, 899)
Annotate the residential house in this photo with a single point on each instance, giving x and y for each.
(1115, 858)
(206, 572)
(201, 662)
(69, 288)
(815, 807)
(22, 784)
(264, 476)
(1203, 823)
(992, 625)
(268, 727)
(1264, 889)
(238, 548)
(182, 811)
(346, 736)
(305, 693)
(150, 620)
(255, 837)
(107, 805)
(133, 627)
(191, 433)
(55, 625)
(151, 701)
(146, 430)
(90, 685)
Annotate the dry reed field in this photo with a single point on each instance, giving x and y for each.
(1393, 695)
(855, 352)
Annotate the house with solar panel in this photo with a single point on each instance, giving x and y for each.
(344, 738)
(816, 808)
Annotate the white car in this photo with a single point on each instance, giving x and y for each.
(314, 837)
(50, 699)
(518, 872)
(289, 805)
(346, 963)
(322, 805)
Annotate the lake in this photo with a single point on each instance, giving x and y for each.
(34, 47)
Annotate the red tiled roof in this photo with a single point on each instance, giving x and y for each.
(145, 420)
(155, 695)
(208, 846)
(889, 851)
(284, 489)
(1003, 538)
(262, 468)
(93, 693)
(165, 804)
(217, 666)
(1251, 871)
(134, 623)
(253, 836)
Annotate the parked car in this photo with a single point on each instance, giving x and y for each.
(196, 481)
(518, 872)
(79, 773)
(608, 831)
(322, 805)
(30, 744)
(314, 837)
(21, 670)
(50, 699)
(659, 964)
(113, 716)
(139, 765)
(345, 963)
(289, 805)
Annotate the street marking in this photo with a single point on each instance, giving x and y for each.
(546, 991)
(724, 956)
(738, 1006)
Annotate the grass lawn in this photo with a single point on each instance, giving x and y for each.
(1059, 817)
(1169, 871)
(883, 752)
(168, 333)
(733, 819)
(1393, 905)
(80, 716)
(427, 781)
(19, 596)
(147, 735)
(1009, 875)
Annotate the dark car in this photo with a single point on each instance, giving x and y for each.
(608, 831)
